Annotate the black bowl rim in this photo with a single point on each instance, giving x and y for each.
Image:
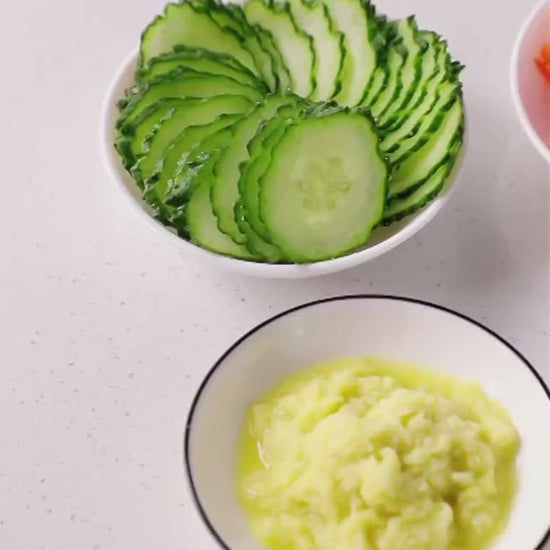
(189, 423)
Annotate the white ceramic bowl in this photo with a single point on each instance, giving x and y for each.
(530, 92)
(382, 240)
(389, 327)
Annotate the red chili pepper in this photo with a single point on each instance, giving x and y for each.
(543, 61)
(545, 53)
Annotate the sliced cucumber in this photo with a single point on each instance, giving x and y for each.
(225, 190)
(378, 83)
(200, 219)
(381, 74)
(424, 162)
(259, 152)
(176, 156)
(411, 70)
(280, 70)
(130, 142)
(399, 208)
(254, 243)
(433, 70)
(247, 210)
(325, 187)
(190, 24)
(396, 56)
(355, 20)
(296, 46)
(190, 114)
(199, 60)
(408, 140)
(183, 83)
(176, 193)
(328, 44)
(254, 42)
(294, 177)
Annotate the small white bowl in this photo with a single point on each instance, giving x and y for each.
(530, 92)
(388, 327)
(382, 240)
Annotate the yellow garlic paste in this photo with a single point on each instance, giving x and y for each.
(364, 454)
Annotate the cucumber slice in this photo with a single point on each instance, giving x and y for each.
(410, 73)
(190, 24)
(200, 219)
(392, 88)
(433, 69)
(259, 152)
(408, 140)
(399, 208)
(325, 187)
(176, 193)
(199, 60)
(380, 76)
(279, 68)
(254, 243)
(225, 189)
(424, 162)
(296, 47)
(328, 45)
(247, 210)
(183, 83)
(190, 114)
(175, 156)
(379, 82)
(130, 142)
(356, 21)
(254, 43)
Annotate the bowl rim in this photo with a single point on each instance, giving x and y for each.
(189, 423)
(514, 81)
(112, 162)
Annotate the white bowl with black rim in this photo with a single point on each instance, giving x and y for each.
(382, 240)
(388, 327)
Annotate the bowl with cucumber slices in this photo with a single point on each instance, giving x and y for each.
(286, 139)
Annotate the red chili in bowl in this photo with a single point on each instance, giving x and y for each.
(543, 61)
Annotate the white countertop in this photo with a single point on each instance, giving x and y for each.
(106, 332)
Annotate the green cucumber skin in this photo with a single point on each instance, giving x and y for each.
(245, 34)
(163, 177)
(386, 30)
(125, 143)
(398, 159)
(449, 73)
(458, 137)
(278, 7)
(177, 77)
(200, 8)
(178, 52)
(233, 105)
(336, 35)
(399, 214)
(405, 94)
(258, 151)
(396, 119)
(380, 35)
(268, 252)
(376, 109)
(225, 168)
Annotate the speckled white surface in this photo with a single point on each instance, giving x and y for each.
(106, 333)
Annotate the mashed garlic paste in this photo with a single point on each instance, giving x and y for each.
(362, 454)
